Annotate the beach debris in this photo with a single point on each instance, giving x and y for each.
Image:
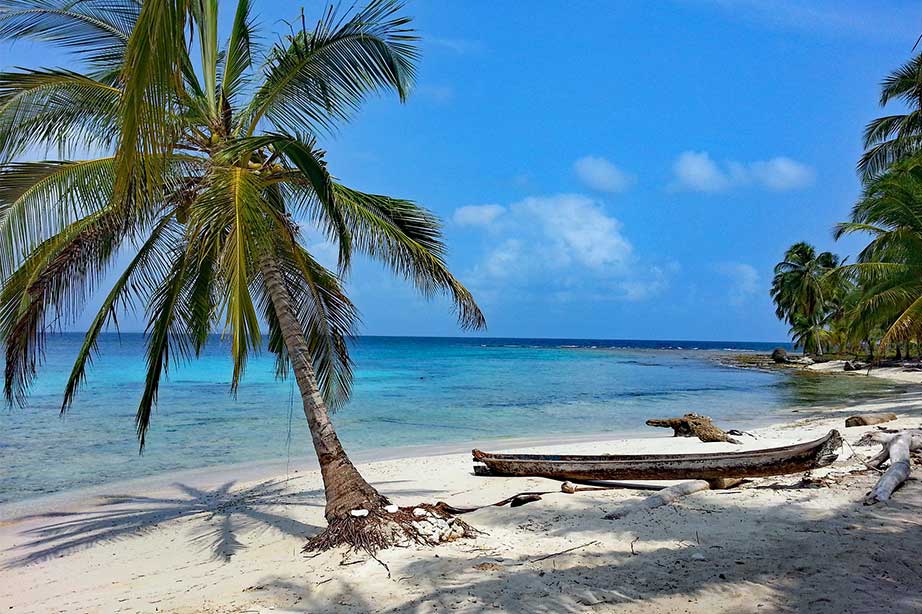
(359, 513)
(869, 419)
(724, 483)
(853, 365)
(779, 355)
(896, 449)
(694, 425)
(567, 551)
(663, 497)
(435, 528)
(488, 567)
(391, 509)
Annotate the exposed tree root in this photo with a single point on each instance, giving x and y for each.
(694, 425)
(381, 529)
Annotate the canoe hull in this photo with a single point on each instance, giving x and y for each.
(796, 458)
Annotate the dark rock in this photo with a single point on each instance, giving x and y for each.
(779, 355)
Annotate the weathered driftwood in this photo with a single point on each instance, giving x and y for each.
(693, 425)
(724, 483)
(663, 497)
(884, 439)
(795, 458)
(869, 419)
(580, 486)
(898, 451)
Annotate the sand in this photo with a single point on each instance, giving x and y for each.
(212, 542)
(911, 373)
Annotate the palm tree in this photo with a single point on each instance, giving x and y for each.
(889, 269)
(801, 284)
(203, 171)
(893, 138)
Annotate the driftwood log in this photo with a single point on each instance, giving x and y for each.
(663, 497)
(896, 448)
(869, 419)
(693, 425)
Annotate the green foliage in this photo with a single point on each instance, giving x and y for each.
(808, 294)
(207, 171)
(894, 138)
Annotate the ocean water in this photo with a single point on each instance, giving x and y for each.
(408, 391)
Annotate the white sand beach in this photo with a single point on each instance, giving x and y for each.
(911, 373)
(215, 543)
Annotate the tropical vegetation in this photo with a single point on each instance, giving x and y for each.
(873, 304)
(199, 163)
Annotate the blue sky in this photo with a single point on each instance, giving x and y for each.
(616, 169)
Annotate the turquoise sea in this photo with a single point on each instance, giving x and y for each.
(408, 392)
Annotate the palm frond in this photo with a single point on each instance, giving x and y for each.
(406, 238)
(239, 58)
(96, 30)
(57, 277)
(146, 271)
(156, 61)
(53, 108)
(39, 199)
(319, 78)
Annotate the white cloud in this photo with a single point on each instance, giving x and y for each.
(601, 175)
(743, 278)
(782, 173)
(881, 20)
(505, 260)
(562, 247)
(696, 171)
(461, 46)
(477, 215)
(578, 227)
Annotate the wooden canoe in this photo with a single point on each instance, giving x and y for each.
(755, 463)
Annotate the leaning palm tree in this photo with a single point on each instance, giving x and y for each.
(892, 138)
(203, 172)
(888, 270)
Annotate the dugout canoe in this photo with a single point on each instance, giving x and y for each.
(795, 458)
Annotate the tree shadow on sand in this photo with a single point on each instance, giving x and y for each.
(224, 511)
(800, 558)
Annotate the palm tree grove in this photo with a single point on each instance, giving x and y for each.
(871, 306)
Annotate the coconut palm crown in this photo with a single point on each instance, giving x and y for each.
(205, 164)
(889, 269)
(893, 138)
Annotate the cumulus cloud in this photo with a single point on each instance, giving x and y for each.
(578, 228)
(696, 171)
(601, 175)
(477, 215)
(563, 247)
(743, 278)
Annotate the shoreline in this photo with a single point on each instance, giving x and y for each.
(215, 474)
(231, 549)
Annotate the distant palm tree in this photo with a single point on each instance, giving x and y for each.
(202, 174)
(893, 138)
(889, 270)
(800, 285)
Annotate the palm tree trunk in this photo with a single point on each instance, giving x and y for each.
(343, 485)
